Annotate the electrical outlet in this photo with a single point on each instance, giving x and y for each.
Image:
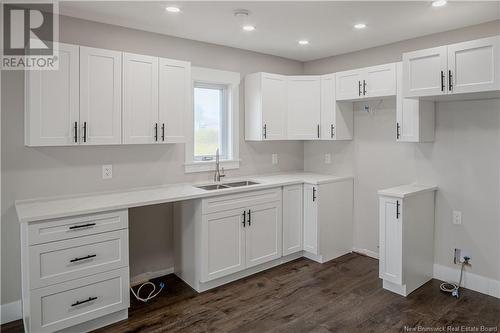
(274, 158)
(457, 217)
(328, 158)
(107, 171)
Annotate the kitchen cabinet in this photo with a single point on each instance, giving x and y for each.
(100, 96)
(328, 231)
(415, 119)
(467, 67)
(337, 118)
(406, 237)
(304, 107)
(52, 112)
(366, 83)
(293, 219)
(265, 107)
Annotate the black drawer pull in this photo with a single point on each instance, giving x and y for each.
(442, 81)
(75, 137)
(249, 217)
(83, 258)
(359, 88)
(81, 226)
(244, 218)
(397, 210)
(90, 299)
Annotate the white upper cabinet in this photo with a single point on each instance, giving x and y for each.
(174, 99)
(52, 110)
(369, 82)
(474, 66)
(336, 118)
(467, 67)
(140, 98)
(424, 72)
(100, 96)
(265, 107)
(303, 116)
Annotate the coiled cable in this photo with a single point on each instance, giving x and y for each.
(453, 288)
(151, 295)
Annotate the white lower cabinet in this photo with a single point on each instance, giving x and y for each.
(328, 230)
(293, 219)
(406, 237)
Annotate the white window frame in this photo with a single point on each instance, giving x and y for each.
(207, 76)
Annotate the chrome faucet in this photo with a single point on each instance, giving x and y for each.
(218, 175)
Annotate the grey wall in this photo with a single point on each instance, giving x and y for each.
(464, 160)
(42, 172)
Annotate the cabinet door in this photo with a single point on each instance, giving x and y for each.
(311, 218)
(140, 98)
(327, 107)
(223, 244)
(274, 106)
(391, 239)
(100, 96)
(293, 219)
(175, 99)
(379, 81)
(304, 93)
(349, 85)
(474, 66)
(424, 72)
(406, 113)
(263, 233)
(52, 108)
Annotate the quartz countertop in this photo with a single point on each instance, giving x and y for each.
(57, 207)
(406, 190)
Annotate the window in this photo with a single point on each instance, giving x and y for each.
(214, 120)
(210, 121)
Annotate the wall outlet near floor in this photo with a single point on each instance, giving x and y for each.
(328, 158)
(274, 158)
(107, 171)
(459, 256)
(457, 217)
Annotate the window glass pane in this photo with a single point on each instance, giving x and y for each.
(208, 121)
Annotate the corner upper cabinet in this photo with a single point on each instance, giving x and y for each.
(368, 82)
(337, 118)
(265, 107)
(424, 72)
(304, 107)
(52, 112)
(100, 96)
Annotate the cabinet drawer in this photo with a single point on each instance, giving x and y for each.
(84, 225)
(65, 260)
(70, 303)
(240, 200)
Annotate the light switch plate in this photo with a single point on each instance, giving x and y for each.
(457, 217)
(328, 158)
(274, 158)
(107, 171)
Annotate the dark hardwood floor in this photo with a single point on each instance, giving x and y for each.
(344, 295)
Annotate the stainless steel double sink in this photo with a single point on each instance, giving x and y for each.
(227, 185)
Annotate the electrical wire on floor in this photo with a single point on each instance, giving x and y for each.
(153, 293)
(452, 287)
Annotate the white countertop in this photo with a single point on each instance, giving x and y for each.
(406, 190)
(57, 207)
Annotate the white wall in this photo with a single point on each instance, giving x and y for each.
(464, 160)
(39, 172)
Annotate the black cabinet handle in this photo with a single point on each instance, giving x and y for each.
(90, 299)
(442, 81)
(87, 225)
(76, 132)
(156, 132)
(244, 217)
(450, 81)
(332, 128)
(364, 87)
(318, 131)
(397, 210)
(314, 193)
(84, 131)
(398, 134)
(359, 88)
(83, 258)
(163, 132)
(249, 217)
(265, 131)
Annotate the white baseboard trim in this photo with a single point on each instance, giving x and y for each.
(10, 312)
(471, 281)
(365, 252)
(144, 277)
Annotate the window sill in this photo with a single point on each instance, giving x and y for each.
(204, 166)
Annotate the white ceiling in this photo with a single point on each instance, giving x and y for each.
(279, 25)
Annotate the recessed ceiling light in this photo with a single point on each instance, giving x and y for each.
(438, 3)
(248, 28)
(360, 26)
(173, 9)
(303, 42)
